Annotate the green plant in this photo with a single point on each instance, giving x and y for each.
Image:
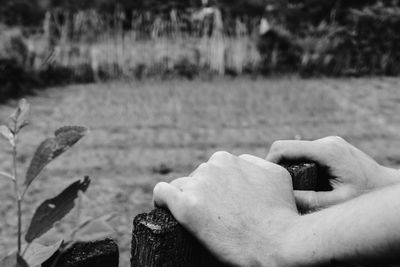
(51, 210)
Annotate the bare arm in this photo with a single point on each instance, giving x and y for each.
(243, 209)
(363, 230)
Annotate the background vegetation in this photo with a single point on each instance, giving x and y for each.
(52, 42)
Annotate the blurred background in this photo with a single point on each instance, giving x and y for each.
(163, 84)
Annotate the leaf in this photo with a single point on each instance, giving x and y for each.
(53, 210)
(79, 129)
(44, 154)
(13, 260)
(51, 148)
(69, 136)
(19, 118)
(7, 134)
(94, 230)
(37, 253)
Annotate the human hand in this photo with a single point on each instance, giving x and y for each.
(351, 172)
(238, 207)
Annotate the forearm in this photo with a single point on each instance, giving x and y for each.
(366, 228)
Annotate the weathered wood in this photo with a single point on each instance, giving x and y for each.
(159, 241)
(102, 253)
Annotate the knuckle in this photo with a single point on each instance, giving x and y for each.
(203, 167)
(331, 145)
(220, 155)
(245, 156)
(340, 139)
(333, 140)
(335, 148)
(277, 146)
(157, 188)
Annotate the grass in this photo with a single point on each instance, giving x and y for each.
(137, 128)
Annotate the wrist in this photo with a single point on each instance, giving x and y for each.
(388, 176)
(393, 176)
(289, 248)
(298, 246)
(274, 244)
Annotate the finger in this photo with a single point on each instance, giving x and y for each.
(311, 200)
(178, 183)
(257, 161)
(201, 169)
(166, 196)
(293, 150)
(221, 158)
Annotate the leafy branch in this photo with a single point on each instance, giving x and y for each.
(51, 210)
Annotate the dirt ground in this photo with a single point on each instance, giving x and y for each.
(143, 133)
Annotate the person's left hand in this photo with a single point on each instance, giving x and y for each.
(239, 207)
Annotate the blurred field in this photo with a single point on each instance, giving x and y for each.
(139, 130)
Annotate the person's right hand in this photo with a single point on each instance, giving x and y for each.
(351, 172)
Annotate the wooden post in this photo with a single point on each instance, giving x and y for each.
(103, 253)
(159, 241)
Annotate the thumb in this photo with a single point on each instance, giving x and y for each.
(311, 200)
(166, 196)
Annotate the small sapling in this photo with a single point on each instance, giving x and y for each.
(51, 210)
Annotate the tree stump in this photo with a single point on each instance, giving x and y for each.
(159, 241)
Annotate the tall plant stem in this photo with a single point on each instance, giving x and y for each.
(26, 249)
(6, 175)
(17, 195)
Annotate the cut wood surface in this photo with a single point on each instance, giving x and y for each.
(159, 241)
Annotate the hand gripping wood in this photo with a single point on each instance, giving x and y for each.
(159, 241)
